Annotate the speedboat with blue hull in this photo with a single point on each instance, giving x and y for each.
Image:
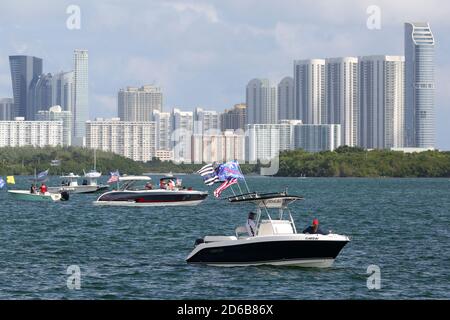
(132, 193)
(276, 241)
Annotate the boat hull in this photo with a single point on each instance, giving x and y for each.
(285, 251)
(303, 263)
(27, 196)
(151, 198)
(78, 189)
(148, 204)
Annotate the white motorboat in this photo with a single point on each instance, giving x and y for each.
(34, 195)
(137, 191)
(47, 196)
(70, 184)
(91, 177)
(276, 241)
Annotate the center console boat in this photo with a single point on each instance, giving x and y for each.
(276, 240)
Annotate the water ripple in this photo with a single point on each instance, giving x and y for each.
(401, 225)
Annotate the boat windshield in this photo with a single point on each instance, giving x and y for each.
(265, 202)
(135, 185)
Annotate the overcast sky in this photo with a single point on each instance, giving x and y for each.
(203, 53)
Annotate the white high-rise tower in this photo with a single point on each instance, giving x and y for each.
(309, 91)
(80, 110)
(262, 106)
(342, 96)
(381, 101)
(419, 87)
(286, 107)
(138, 104)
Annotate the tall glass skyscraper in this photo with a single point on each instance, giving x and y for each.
(341, 92)
(261, 101)
(63, 90)
(40, 95)
(6, 109)
(286, 107)
(80, 110)
(138, 104)
(309, 91)
(381, 102)
(24, 69)
(419, 87)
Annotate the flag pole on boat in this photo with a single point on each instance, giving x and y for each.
(243, 177)
(239, 187)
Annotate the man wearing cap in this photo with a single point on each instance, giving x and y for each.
(251, 225)
(314, 228)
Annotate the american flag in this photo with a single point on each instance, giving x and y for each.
(209, 174)
(114, 177)
(208, 169)
(223, 186)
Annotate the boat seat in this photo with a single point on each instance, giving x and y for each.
(240, 230)
(219, 238)
(271, 227)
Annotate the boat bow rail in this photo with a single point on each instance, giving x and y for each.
(268, 200)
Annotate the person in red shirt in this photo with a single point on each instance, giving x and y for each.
(43, 188)
(314, 228)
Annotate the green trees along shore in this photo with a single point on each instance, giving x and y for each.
(343, 162)
(24, 160)
(357, 162)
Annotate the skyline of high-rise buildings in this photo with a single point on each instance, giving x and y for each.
(378, 101)
(49, 90)
(34, 91)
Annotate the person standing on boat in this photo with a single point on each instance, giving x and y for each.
(251, 225)
(43, 188)
(314, 228)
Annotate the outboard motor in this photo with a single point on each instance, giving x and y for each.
(64, 196)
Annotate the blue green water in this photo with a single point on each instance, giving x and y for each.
(401, 225)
